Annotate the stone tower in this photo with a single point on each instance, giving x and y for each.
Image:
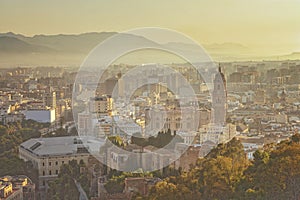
(219, 98)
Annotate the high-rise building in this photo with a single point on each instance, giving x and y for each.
(50, 99)
(101, 105)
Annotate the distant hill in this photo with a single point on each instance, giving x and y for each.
(221, 48)
(15, 45)
(292, 56)
(229, 48)
(16, 49)
(223, 52)
(69, 44)
(62, 49)
(81, 43)
(11, 34)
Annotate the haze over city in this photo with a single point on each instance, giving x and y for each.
(149, 100)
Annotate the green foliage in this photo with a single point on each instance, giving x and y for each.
(112, 140)
(115, 185)
(3, 130)
(60, 132)
(11, 165)
(261, 157)
(232, 149)
(139, 140)
(161, 140)
(274, 174)
(11, 136)
(117, 140)
(296, 138)
(216, 176)
(166, 190)
(64, 187)
(116, 182)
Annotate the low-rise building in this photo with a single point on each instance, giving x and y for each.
(215, 133)
(17, 188)
(49, 154)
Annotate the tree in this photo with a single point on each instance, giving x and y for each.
(217, 176)
(275, 173)
(117, 140)
(64, 187)
(222, 170)
(296, 138)
(163, 139)
(166, 190)
(115, 185)
(139, 140)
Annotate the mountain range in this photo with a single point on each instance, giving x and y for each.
(61, 49)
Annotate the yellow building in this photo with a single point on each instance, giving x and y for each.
(6, 188)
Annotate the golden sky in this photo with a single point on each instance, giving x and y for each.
(275, 23)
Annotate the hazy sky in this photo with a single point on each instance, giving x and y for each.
(250, 22)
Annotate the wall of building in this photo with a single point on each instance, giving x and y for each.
(43, 116)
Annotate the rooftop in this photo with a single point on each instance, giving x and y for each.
(61, 145)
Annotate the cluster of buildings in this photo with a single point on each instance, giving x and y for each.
(153, 108)
(264, 107)
(32, 94)
(16, 188)
(256, 102)
(106, 116)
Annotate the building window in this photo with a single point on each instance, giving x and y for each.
(43, 173)
(50, 173)
(56, 172)
(44, 183)
(49, 163)
(56, 163)
(62, 162)
(43, 164)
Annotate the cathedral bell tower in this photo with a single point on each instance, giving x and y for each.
(219, 99)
